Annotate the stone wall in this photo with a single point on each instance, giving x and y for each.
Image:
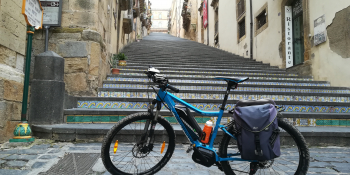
(84, 41)
(86, 64)
(12, 51)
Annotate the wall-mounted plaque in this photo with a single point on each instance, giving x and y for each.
(52, 12)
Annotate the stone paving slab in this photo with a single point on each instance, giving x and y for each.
(324, 160)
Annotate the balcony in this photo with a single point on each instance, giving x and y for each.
(125, 4)
(127, 23)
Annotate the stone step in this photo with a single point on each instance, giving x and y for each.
(209, 104)
(165, 112)
(194, 67)
(142, 78)
(254, 74)
(237, 95)
(213, 63)
(113, 116)
(194, 58)
(222, 87)
(315, 136)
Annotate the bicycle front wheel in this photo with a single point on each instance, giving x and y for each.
(294, 157)
(123, 153)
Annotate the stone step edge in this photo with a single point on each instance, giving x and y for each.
(212, 79)
(314, 136)
(234, 92)
(206, 66)
(218, 101)
(224, 85)
(304, 115)
(281, 75)
(198, 71)
(189, 67)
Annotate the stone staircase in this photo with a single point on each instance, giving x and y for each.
(191, 66)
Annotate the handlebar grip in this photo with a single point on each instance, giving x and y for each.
(173, 88)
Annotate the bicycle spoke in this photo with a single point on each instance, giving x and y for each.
(134, 157)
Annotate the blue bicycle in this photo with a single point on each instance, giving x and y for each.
(143, 143)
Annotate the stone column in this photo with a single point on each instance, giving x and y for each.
(47, 89)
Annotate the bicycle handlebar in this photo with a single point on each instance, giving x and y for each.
(173, 88)
(161, 80)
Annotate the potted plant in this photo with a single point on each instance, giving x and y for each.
(138, 38)
(114, 62)
(121, 57)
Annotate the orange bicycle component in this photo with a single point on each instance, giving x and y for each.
(115, 146)
(163, 146)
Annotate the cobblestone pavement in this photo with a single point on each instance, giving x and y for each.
(41, 156)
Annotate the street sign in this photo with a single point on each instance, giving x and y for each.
(52, 12)
(33, 13)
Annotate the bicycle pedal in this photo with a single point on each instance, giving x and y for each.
(189, 149)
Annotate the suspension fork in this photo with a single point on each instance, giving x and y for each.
(147, 137)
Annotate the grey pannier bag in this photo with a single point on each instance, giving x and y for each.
(257, 130)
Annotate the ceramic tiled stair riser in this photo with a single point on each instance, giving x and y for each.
(217, 82)
(191, 66)
(222, 88)
(184, 96)
(208, 106)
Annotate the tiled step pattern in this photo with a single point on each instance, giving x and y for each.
(222, 88)
(219, 82)
(184, 96)
(209, 77)
(208, 106)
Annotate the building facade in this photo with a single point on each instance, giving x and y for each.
(90, 33)
(184, 19)
(304, 36)
(160, 18)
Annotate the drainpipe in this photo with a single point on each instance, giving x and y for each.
(208, 22)
(251, 30)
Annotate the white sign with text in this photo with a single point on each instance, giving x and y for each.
(52, 12)
(33, 13)
(289, 36)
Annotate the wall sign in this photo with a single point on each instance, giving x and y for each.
(320, 31)
(33, 13)
(52, 12)
(289, 36)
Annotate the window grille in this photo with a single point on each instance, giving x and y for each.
(261, 19)
(241, 28)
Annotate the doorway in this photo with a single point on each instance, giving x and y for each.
(298, 32)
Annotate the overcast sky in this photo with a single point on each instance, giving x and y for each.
(161, 4)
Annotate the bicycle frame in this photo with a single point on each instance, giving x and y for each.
(169, 99)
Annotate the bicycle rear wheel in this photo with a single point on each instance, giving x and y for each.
(132, 157)
(294, 157)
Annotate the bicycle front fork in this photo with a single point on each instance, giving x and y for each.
(148, 137)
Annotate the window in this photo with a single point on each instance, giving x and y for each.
(160, 15)
(261, 19)
(240, 8)
(240, 14)
(241, 28)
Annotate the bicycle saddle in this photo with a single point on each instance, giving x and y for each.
(233, 79)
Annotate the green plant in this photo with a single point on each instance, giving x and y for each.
(114, 60)
(121, 56)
